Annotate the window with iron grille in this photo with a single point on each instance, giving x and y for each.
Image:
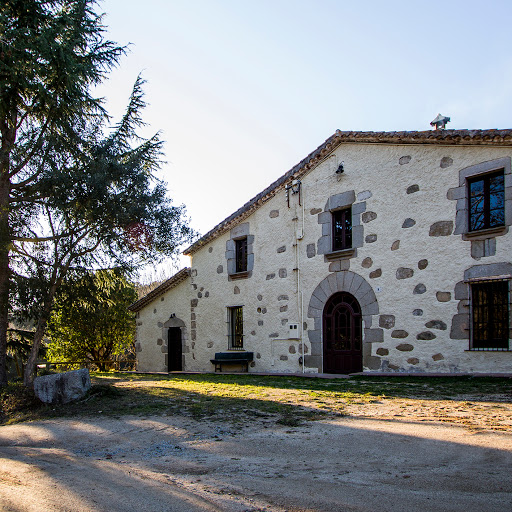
(486, 201)
(490, 315)
(241, 255)
(236, 328)
(342, 229)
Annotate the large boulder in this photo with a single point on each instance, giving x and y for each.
(62, 388)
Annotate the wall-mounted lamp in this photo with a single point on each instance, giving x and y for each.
(295, 189)
(340, 169)
(296, 186)
(173, 316)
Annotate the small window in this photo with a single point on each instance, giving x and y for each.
(490, 315)
(486, 201)
(236, 328)
(342, 229)
(241, 255)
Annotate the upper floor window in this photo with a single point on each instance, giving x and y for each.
(490, 315)
(486, 201)
(241, 255)
(342, 229)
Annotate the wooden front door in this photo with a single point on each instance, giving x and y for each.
(174, 361)
(342, 335)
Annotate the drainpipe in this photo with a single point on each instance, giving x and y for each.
(300, 299)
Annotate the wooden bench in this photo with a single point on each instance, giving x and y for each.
(241, 358)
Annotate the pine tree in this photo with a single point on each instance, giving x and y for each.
(73, 194)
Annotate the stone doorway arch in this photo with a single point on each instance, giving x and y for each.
(174, 333)
(342, 335)
(360, 289)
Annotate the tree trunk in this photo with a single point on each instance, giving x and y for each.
(4, 271)
(30, 368)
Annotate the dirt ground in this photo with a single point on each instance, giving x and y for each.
(399, 455)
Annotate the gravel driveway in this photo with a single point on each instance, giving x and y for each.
(175, 463)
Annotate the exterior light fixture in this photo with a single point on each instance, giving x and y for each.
(296, 186)
(340, 169)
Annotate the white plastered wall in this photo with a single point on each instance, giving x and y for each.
(283, 266)
(151, 336)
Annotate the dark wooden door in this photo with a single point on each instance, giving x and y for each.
(342, 335)
(174, 361)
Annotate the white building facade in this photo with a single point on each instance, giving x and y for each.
(386, 252)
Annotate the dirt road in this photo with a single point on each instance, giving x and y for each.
(175, 463)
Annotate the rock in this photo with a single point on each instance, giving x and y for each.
(436, 324)
(405, 347)
(368, 217)
(62, 387)
(441, 228)
(419, 289)
(367, 262)
(446, 161)
(425, 335)
(422, 264)
(404, 273)
(408, 223)
(443, 296)
(387, 321)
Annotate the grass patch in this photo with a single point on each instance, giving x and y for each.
(240, 398)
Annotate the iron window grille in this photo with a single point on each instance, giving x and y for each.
(486, 201)
(342, 229)
(490, 315)
(241, 255)
(236, 328)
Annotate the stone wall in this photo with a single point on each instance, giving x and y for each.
(408, 255)
(172, 309)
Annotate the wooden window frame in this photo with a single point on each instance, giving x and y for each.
(485, 178)
(241, 254)
(341, 236)
(490, 299)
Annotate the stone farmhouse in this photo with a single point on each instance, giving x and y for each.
(386, 252)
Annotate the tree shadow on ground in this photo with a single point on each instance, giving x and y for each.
(177, 464)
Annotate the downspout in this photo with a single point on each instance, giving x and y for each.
(300, 300)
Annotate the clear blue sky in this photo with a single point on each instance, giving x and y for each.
(242, 91)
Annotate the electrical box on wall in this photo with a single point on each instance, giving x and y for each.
(293, 331)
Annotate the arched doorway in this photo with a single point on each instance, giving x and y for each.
(342, 334)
